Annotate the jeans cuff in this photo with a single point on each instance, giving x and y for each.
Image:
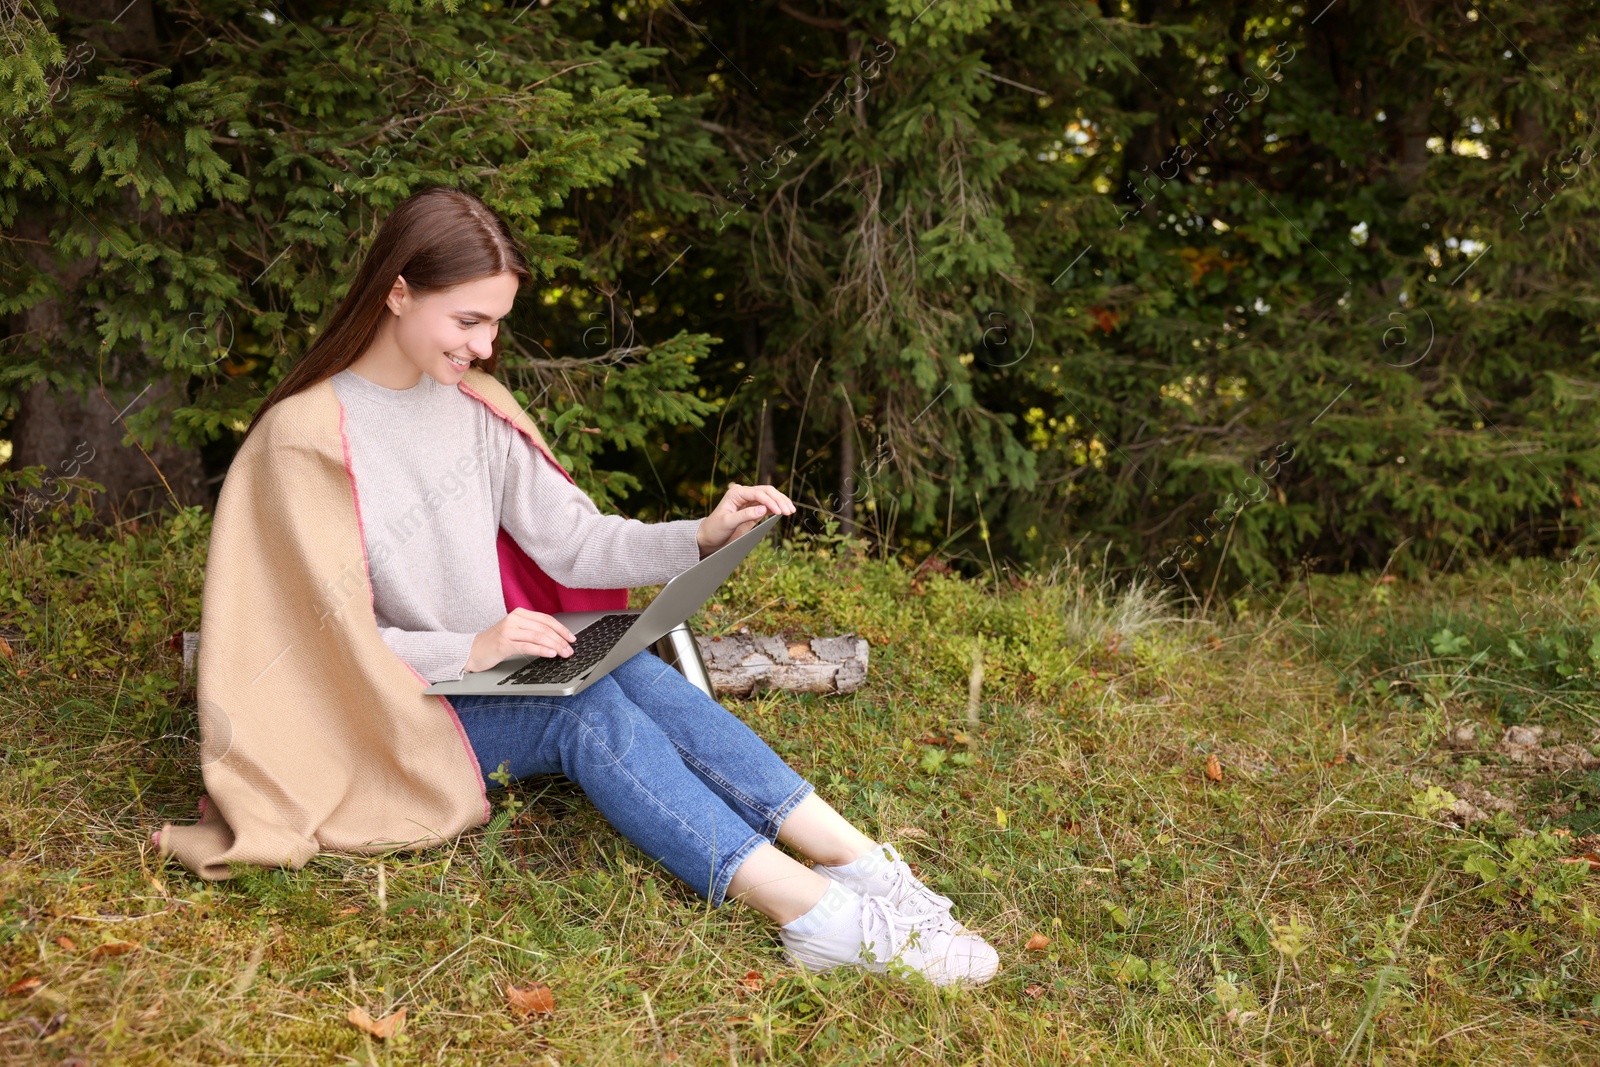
(781, 812)
(719, 892)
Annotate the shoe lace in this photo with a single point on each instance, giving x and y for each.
(904, 884)
(883, 924)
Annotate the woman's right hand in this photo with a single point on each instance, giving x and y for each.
(522, 633)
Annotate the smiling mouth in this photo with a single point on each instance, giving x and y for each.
(458, 362)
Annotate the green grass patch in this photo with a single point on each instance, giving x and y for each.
(1240, 846)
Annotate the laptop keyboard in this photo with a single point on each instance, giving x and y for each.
(588, 648)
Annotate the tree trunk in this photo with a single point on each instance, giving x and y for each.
(767, 457)
(1412, 150)
(55, 429)
(847, 456)
(766, 443)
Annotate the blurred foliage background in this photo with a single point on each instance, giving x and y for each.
(1225, 289)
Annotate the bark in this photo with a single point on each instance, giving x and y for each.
(1412, 150)
(847, 457)
(766, 441)
(742, 663)
(53, 428)
(767, 463)
(1528, 129)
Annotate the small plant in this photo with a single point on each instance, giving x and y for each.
(510, 804)
(1520, 867)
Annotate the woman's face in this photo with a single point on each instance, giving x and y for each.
(435, 330)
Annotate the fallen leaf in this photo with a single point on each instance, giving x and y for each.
(350, 910)
(1034, 990)
(1213, 767)
(532, 998)
(1037, 943)
(752, 980)
(112, 948)
(5, 649)
(1590, 858)
(22, 987)
(383, 1029)
(67, 943)
(1215, 644)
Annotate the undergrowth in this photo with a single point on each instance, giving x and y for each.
(1195, 839)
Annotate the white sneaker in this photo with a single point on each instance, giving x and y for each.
(870, 933)
(882, 873)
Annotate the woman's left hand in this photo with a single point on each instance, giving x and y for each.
(740, 510)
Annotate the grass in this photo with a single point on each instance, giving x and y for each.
(1236, 831)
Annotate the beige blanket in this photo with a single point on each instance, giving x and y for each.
(314, 735)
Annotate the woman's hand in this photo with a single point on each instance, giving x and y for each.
(740, 510)
(522, 633)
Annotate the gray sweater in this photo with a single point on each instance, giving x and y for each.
(437, 474)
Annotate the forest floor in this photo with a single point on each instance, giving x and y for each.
(1351, 820)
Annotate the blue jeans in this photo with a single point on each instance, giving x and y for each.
(673, 770)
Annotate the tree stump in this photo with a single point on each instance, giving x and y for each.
(741, 663)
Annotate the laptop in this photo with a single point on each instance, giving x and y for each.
(607, 639)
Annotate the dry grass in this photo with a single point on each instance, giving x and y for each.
(1305, 908)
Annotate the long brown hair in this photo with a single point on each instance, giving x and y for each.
(437, 237)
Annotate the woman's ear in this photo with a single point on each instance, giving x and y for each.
(397, 294)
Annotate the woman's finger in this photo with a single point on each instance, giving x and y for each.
(776, 502)
(555, 640)
(548, 635)
(549, 620)
(555, 626)
(533, 648)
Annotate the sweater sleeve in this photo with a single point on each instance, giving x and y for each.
(437, 655)
(563, 531)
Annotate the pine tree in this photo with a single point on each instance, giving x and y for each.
(204, 200)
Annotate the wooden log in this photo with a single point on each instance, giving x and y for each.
(739, 664)
(743, 662)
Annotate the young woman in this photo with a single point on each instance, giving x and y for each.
(675, 772)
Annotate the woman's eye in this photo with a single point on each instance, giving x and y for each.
(467, 323)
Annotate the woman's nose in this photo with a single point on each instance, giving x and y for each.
(480, 345)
